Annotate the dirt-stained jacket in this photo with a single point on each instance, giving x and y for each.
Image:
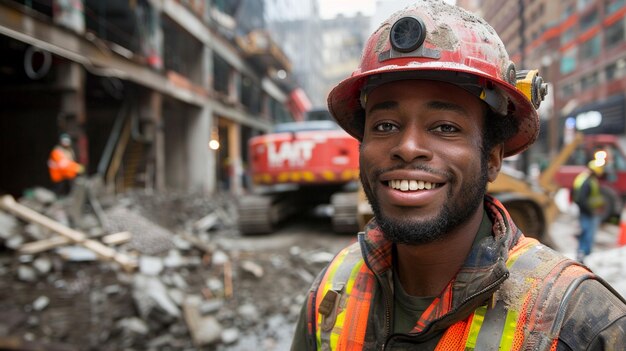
(576, 312)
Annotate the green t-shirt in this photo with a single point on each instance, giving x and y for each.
(408, 309)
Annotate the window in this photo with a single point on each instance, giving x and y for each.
(591, 48)
(567, 90)
(613, 5)
(615, 33)
(568, 61)
(589, 20)
(567, 36)
(616, 70)
(221, 74)
(568, 12)
(589, 81)
(250, 95)
(582, 4)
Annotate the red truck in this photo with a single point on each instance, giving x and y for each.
(297, 167)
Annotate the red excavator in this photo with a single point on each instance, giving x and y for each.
(298, 167)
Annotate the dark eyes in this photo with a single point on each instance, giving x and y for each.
(385, 127)
(442, 128)
(446, 128)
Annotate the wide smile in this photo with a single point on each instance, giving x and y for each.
(412, 190)
(412, 184)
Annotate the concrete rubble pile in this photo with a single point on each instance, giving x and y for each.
(178, 289)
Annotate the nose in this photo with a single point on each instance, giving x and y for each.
(412, 145)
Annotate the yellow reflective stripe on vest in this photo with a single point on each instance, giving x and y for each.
(595, 199)
(340, 278)
(508, 334)
(330, 274)
(505, 332)
(341, 317)
(477, 323)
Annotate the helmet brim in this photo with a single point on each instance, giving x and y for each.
(344, 102)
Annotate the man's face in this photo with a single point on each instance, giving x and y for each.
(421, 163)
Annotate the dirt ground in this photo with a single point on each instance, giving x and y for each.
(58, 301)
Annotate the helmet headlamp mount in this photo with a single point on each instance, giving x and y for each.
(407, 36)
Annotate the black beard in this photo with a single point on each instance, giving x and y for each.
(417, 231)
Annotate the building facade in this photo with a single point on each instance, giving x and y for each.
(161, 94)
(579, 46)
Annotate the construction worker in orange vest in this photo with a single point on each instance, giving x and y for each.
(437, 104)
(62, 166)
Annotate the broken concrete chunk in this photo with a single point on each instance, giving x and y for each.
(215, 284)
(211, 306)
(204, 330)
(248, 312)
(148, 293)
(14, 242)
(26, 274)
(220, 257)
(181, 243)
(179, 281)
(253, 268)
(177, 295)
(36, 231)
(43, 265)
(8, 225)
(295, 251)
(230, 336)
(112, 289)
(44, 196)
(40, 303)
(150, 265)
(133, 324)
(206, 223)
(76, 254)
(173, 259)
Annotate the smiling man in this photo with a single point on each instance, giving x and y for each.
(437, 104)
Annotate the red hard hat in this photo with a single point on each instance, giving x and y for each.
(435, 41)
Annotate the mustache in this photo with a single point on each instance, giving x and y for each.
(415, 167)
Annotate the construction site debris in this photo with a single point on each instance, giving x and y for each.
(198, 285)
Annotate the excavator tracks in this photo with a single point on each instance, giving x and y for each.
(344, 217)
(259, 214)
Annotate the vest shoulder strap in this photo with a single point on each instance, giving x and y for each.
(326, 292)
(530, 306)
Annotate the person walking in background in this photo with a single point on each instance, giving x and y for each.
(590, 202)
(62, 166)
(437, 104)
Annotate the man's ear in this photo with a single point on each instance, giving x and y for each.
(495, 161)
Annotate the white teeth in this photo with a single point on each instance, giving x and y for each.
(411, 185)
(404, 185)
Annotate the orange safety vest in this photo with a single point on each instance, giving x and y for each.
(516, 316)
(61, 164)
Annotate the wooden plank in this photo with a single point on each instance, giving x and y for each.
(9, 204)
(43, 245)
(117, 238)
